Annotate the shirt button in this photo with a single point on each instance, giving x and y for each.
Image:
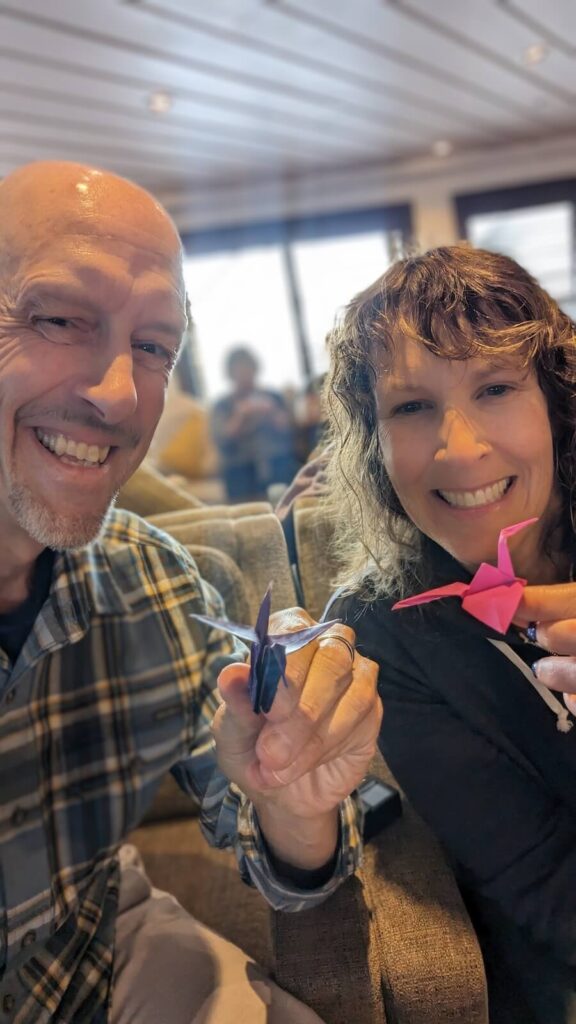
(29, 938)
(8, 1003)
(19, 816)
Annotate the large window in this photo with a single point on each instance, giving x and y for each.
(240, 297)
(533, 224)
(277, 288)
(329, 272)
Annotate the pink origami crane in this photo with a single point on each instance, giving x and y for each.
(493, 594)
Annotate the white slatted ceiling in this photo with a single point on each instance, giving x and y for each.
(276, 88)
(555, 19)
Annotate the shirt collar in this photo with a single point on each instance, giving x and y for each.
(90, 578)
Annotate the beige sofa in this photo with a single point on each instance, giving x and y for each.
(394, 944)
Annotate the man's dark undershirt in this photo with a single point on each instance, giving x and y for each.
(16, 625)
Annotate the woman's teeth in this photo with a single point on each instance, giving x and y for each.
(475, 499)
(89, 454)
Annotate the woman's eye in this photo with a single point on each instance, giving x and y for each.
(409, 408)
(496, 390)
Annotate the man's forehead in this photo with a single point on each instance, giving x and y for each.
(98, 228)
(47, 201)
(96, 270)
(76, 245)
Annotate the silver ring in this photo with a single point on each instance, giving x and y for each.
(342, 639)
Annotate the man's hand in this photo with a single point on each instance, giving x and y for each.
(298, 761)
(553, 610)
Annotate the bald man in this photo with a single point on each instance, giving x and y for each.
(105, 680)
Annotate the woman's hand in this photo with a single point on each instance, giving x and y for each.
(552, 611)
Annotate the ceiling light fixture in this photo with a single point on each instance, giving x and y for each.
(535, 54)
(160, 102)
(442, 148)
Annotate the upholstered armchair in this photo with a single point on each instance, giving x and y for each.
(394, 944)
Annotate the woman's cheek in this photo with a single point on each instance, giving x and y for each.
(404, 454)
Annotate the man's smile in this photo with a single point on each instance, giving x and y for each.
(67, 448)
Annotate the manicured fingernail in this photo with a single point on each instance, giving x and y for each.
(534, 668)
(531, 632)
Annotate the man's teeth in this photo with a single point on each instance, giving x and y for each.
(60, 445)
(474, 499)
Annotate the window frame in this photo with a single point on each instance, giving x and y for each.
(393, 219)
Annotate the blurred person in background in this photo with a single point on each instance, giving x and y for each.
(252, 427)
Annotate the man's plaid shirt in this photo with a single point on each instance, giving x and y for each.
(115, 685)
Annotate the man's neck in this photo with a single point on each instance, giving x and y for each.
(17, 561)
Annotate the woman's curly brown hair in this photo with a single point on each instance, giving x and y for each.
(459, 302)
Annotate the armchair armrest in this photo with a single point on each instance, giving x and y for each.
(325, 957)
(431, 966)
(394, 945)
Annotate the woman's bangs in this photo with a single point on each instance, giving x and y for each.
(452, 334)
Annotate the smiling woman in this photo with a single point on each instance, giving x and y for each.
(451, 399)
(452, 373)
(471, 455)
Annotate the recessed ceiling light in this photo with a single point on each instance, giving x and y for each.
(535, 54)
(160, 102)
(442, 147)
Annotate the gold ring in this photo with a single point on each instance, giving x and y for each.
(342, 639)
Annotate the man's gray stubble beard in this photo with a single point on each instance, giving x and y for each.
(60, 533)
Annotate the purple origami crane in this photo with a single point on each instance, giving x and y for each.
(493, 594)
(268, 652)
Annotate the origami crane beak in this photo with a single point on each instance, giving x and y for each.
(504, 557)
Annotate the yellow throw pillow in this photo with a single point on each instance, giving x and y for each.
(190, 451)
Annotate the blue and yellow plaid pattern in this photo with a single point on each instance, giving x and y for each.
(115, 685)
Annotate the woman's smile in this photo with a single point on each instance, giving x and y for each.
(478, 497)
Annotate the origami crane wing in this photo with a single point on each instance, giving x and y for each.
(450, 590)
(268, 651)
(246, 633)
(262, 671)
(249, 633)
(294, 641)
(493, 594)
